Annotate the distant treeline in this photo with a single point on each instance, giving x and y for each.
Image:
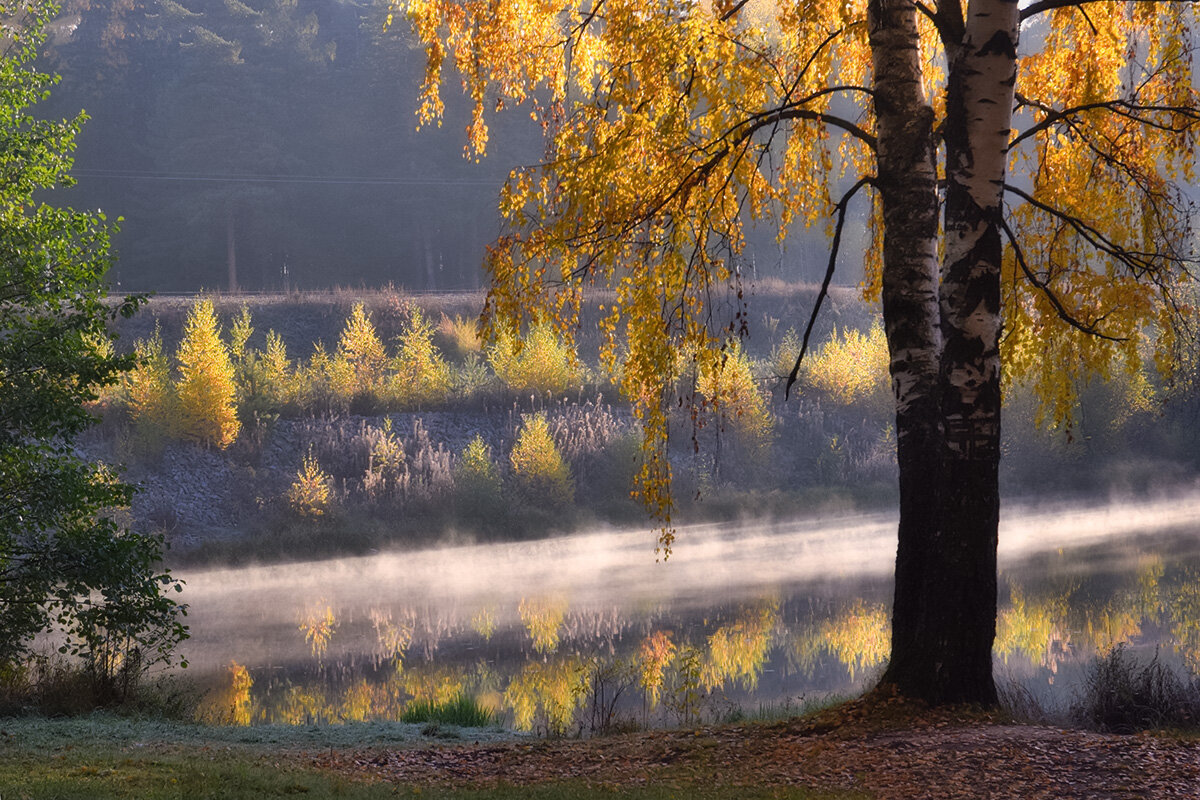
(273, 144)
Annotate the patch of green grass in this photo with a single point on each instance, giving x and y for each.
(110, 758)
(463, 711)
(207, 773)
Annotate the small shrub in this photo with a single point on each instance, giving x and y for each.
(361, 348)
(326, 385)
(361, 356)
(477, 483)
(150, 397)
(274, 383)
(460, 336)
(471, 378)
(731, 391)
(1121, 695)
(310, 493)
(852, 367)
(540, 475)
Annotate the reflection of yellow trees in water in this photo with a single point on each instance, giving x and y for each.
(654, 655)
(359, 702)
(317, 623)
(738, 651)
(230, 704)
(858, 637)
(303, 705)
(435, 686)
(547, 693)
(1184, 608)
(1121, 616)
(394, 638)
(543, 618)
(484, 621)
(1034, 628)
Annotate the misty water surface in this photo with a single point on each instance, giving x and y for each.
(585, 631)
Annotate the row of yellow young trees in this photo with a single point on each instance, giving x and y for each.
(216, 384)
(539, 477)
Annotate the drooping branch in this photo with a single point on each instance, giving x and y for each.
(1033, 9)
(1124, 108)
(1044, 287)
(1141, 263)
(735, 8)
(834, 248)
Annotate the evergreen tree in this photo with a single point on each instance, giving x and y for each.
(207, 390)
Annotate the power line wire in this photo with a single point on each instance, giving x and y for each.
(340, 180)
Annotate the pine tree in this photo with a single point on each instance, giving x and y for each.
(150, 396)
(419, 373)
(361, 350)
(207, 390)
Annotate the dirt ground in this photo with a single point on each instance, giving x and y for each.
(934, 756)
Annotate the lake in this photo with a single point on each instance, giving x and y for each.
(588, 632)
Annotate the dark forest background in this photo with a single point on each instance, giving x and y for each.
(272, 145)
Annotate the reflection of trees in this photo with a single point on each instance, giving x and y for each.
(738, 651)
(317, 623)
(433, 685)
(858, 637)
(359, 702)
(1184, 615)
(484, 621)
(580, 658)
(543, 618)
(654, 655)
(301, 705)
(230, 704)
(1034, 628)
(547, 694)
(393, 638)
(1121, 615)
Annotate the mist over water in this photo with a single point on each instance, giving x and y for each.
(776, 610)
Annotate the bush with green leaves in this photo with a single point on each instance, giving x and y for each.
(150, 397)
(478, 487)
(65, 563)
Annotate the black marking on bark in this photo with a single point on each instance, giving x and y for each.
(1000, 44)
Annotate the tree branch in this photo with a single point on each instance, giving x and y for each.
(1045, 289)
(1049, 5)
(1122, 108)
(842, 205)
(1140, 263)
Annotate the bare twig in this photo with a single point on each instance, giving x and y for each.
(842, 205)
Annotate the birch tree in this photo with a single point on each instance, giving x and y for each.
(1022, 169)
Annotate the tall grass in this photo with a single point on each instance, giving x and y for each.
(1122, 694)
(463, 711)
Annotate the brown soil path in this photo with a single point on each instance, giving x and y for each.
(939, 759)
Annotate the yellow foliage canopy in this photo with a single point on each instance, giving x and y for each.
(670, 126)
(207, 391)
